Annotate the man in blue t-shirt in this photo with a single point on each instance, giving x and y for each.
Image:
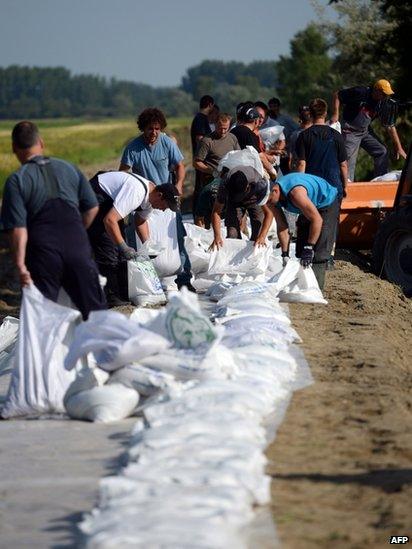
(317, 205)
(156, 157)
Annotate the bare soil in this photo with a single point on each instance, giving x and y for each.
(342, 459)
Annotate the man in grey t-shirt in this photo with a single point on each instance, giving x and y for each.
(213, 147)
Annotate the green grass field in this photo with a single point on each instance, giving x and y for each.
(90, 144)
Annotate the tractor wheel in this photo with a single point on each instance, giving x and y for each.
(392, 249)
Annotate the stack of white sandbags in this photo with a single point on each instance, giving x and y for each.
(196, 464)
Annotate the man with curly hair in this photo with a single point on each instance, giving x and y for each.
(155, 156)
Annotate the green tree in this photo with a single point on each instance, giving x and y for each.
(306, 73)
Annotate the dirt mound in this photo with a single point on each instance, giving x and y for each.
(342, 459)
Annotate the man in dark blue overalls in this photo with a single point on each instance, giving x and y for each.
(47, 206)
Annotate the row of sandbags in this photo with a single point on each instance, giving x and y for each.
(196, 464)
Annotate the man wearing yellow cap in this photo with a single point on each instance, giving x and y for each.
(361, 105)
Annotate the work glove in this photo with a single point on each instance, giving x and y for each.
(127, 252)
(306, 257)
(285, 258)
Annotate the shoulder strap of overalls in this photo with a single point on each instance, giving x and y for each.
(49, 177)
(146, 187)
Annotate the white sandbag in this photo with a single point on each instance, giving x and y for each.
(199, 254)
(182, 322)
(187, 327)
(39, 379)
(114, 339)
(249, 290)
(146, 381)
(335, 125)
(271, 135)
(214, 362)
(103, 404)
(395, 175)
(144, 286)
(298, 285)
(246, 157)
(163, 233)
(239, 257)
(202, 285)
(8, 333)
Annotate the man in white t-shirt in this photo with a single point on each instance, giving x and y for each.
(120, 194)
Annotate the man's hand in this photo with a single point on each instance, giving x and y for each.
(127, 252)
(25, 276)
(260, 242)
(306, 257)
(285, 258)
(216, 244)
(400, 153)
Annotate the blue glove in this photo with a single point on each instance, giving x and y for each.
(306, 257)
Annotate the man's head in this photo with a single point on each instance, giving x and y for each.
(318, 108)
(151, 122)
(164, 196)
(206, 104)
(263, 111)
(304, 114)
(274, 195)
(26, 140)
(223, 124)
(239, 183)
(274, 107)
(247, 114)
(382, 89)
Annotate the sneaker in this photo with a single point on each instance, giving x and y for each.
(187, 285)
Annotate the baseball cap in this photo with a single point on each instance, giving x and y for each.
(383, 86)
(247, 112)
(170, 194)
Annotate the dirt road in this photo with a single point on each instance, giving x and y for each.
(342, 460)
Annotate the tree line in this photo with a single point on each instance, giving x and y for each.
(368, 40)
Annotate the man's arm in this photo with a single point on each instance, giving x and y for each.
(335, 107)
(216, 224)
(18, 244)
(124, 167)
(301, 166)
(282, 228)
(399, 150)
(202, 167)
(267, 222)
(111, 224)
(267, 165)
(299, 198)
(180, 176)
(142, 228)
(89, 215)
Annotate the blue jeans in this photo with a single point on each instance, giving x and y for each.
(185, 273)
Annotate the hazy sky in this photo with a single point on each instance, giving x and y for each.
(146, 41)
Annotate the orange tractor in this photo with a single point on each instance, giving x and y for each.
(378, 216)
